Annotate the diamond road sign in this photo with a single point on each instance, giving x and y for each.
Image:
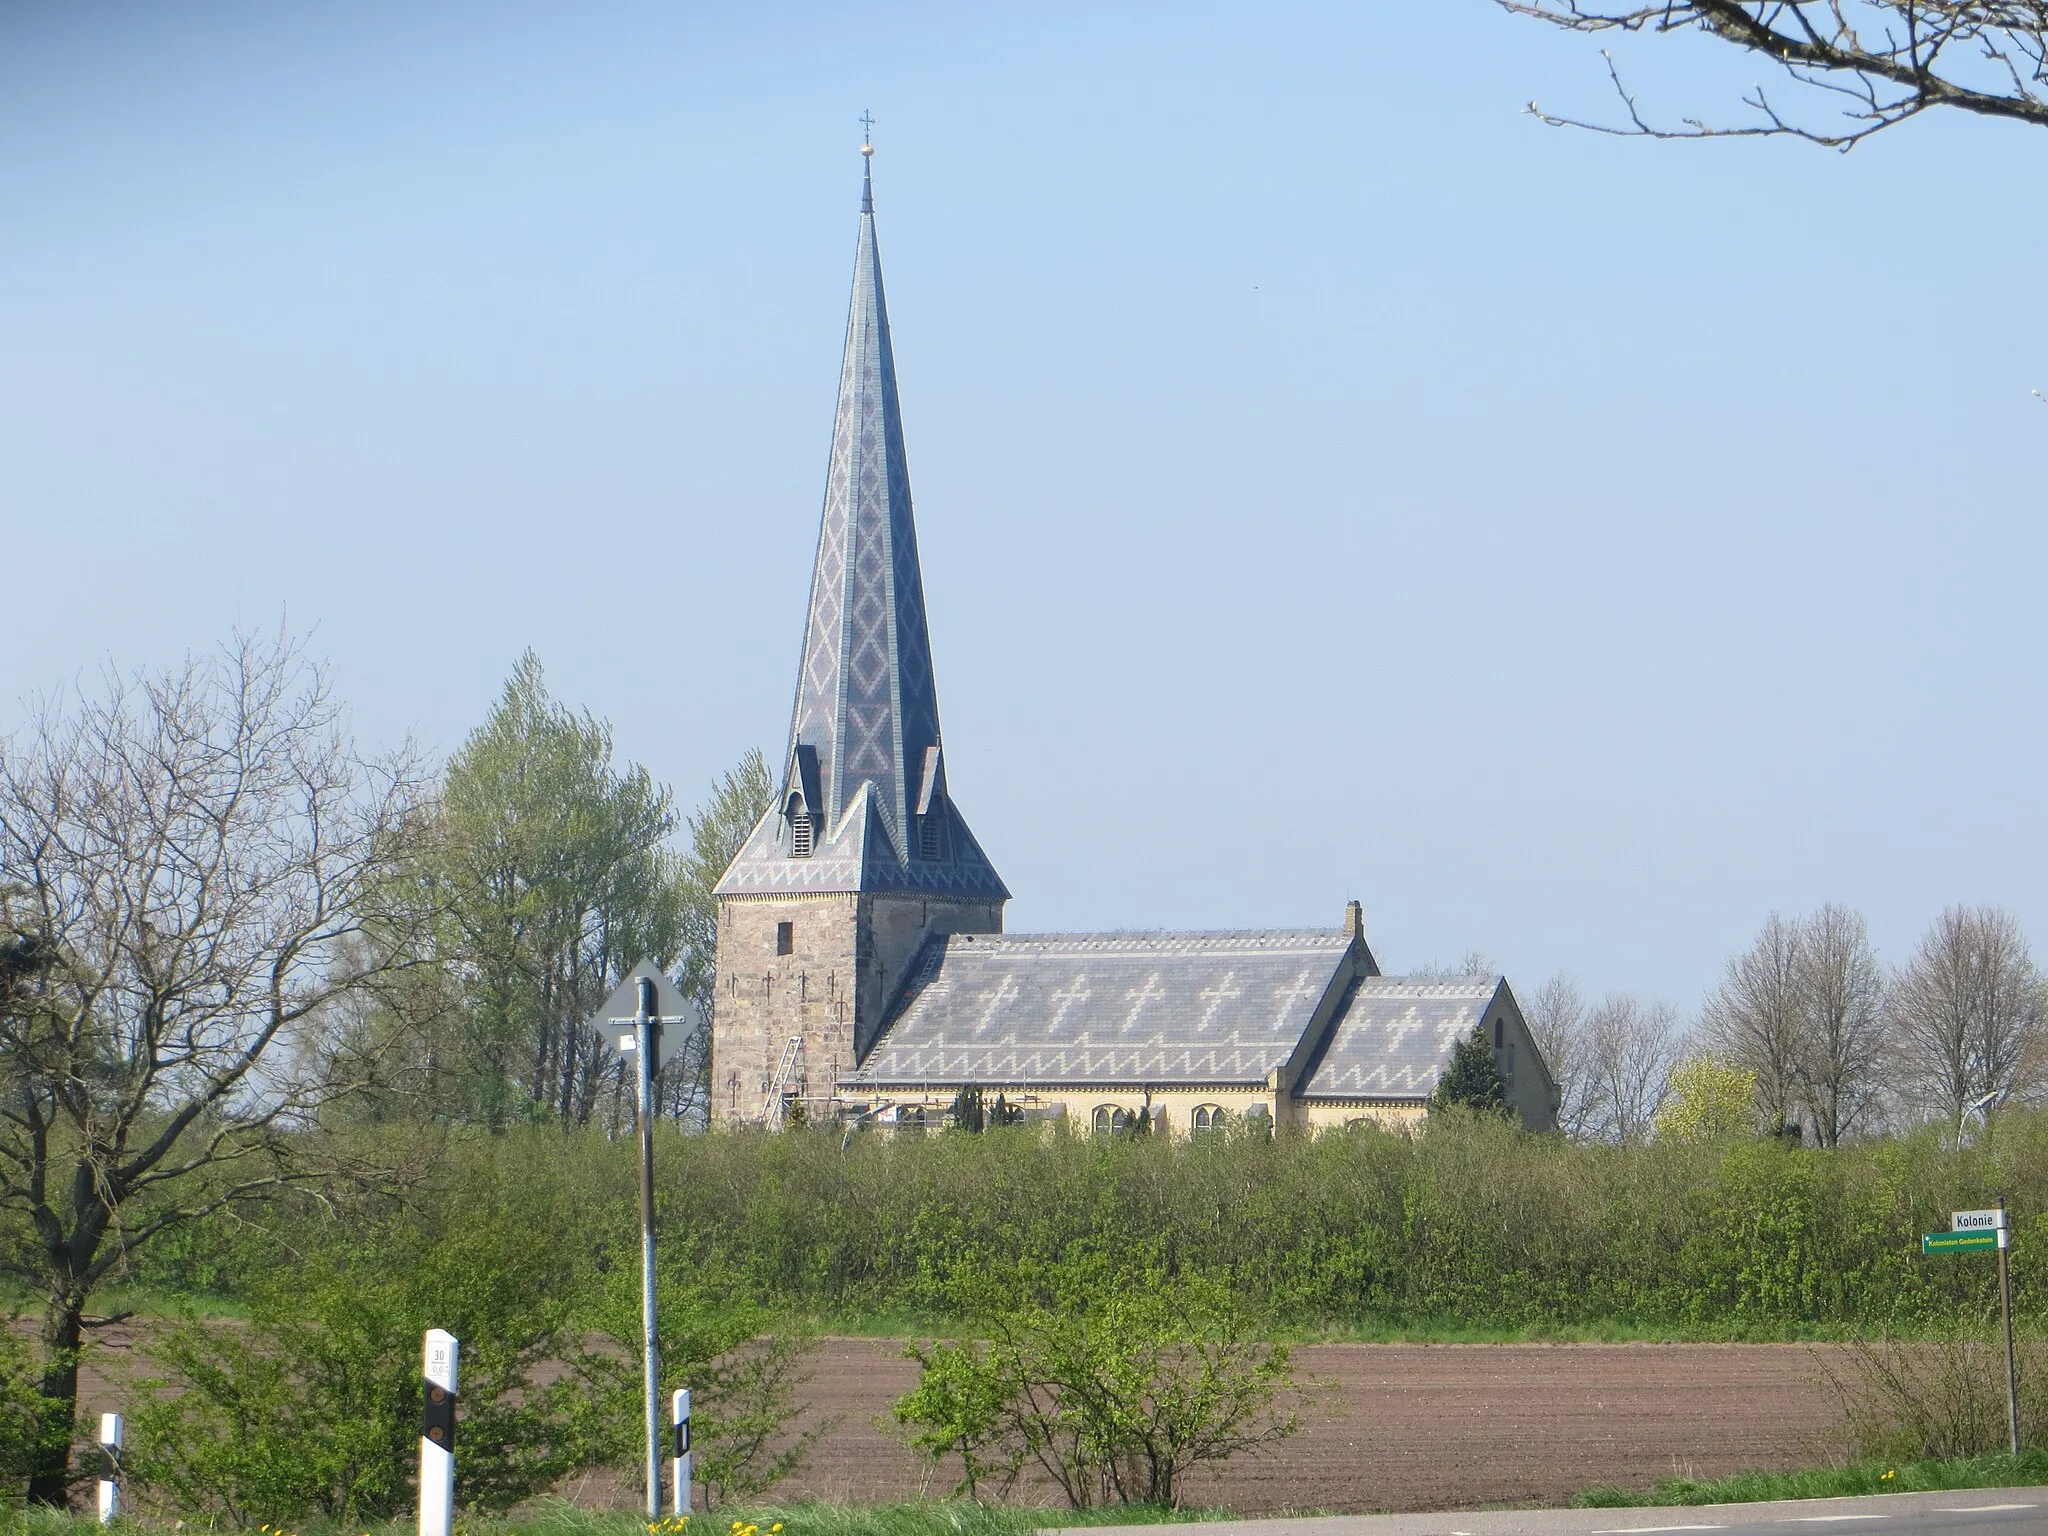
(1959, 1242)
(680, 1017)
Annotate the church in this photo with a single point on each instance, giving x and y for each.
(863, 971)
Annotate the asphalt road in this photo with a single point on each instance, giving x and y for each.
(1999, 1511)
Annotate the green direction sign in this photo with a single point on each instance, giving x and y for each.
(1959, 1242)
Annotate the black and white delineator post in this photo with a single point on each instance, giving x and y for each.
(110, 1472)
(681, 1416)
(655, 1003)
(437, 1434)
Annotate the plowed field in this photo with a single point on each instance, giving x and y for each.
(1396, 1426)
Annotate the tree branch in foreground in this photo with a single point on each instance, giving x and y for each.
(1870, 64)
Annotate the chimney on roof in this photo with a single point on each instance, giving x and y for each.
(1354, 920)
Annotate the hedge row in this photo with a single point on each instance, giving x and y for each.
(1469, 1225)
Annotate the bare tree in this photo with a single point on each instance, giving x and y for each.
(1631, 1047)
(1839, 1053)
(1867, 64)
(1556, 1014)
(1753, 1018)
(1474, 962)
(181, 859)
(1967, 1009)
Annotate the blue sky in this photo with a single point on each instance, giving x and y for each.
(1330, 481)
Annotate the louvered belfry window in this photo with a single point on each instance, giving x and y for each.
(799, 828)
(930, 844)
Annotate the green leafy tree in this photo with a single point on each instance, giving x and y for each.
(1710, 1100)
(718, 830)
(555, 877)
(1471, 1080)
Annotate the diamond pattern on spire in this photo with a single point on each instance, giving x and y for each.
(866, 698)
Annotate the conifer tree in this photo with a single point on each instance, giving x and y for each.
(1472, 1081)
(968, 1113)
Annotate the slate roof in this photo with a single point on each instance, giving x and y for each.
(1104, 1008)
(865, 726)
(859, 855)
(1394, 1036)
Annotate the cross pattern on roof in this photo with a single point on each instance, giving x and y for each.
(1138, 1008)
(1394, 1036)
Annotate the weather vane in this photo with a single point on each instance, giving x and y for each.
(867, 132)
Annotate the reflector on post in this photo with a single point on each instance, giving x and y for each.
(437, 1433)
(681, 1413)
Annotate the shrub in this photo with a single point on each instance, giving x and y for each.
(313, 1406)
(744, 1368)
(1115, 1381)
(1936, 1399)
(31, 1425)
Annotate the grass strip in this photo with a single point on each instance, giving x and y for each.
(554, 1517)
(2029, 1468)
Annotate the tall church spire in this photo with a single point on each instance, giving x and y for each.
(866, 718)
(865, 698)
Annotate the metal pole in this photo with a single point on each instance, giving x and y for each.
(647, 1027)
(2012, 1382)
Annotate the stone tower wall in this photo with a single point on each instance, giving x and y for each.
(765, 997)
(848, 955)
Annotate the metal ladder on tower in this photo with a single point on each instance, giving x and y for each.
(773, 1103)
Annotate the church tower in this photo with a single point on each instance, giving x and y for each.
(863, 856)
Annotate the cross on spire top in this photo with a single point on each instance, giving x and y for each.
(867, 132)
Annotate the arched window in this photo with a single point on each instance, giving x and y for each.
(799, 828)
(1205, 1119)
(1258, 1118)
(1108, 1120)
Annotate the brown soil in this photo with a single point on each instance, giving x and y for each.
(1399, 1426)
(1416, 1427)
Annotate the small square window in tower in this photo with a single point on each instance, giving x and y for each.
(785, 938)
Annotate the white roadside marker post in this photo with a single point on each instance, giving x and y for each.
(437, 1434)
(110, 1453)
(681, 1414)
